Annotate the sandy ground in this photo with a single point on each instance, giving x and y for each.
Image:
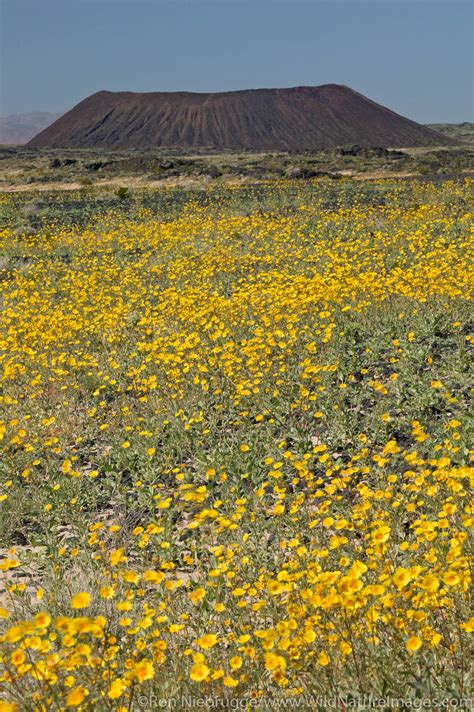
(137, 182)
(131, 182)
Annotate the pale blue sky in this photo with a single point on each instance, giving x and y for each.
(414, 56)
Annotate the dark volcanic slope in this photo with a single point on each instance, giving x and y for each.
(263, 119)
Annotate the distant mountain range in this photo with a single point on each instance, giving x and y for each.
(461, 133)
(261, 119)
(20, 128)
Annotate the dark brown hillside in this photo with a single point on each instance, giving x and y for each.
(263, 119)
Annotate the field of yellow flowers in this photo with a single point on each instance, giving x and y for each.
(235, 454)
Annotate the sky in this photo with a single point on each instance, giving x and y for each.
(414, 56)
